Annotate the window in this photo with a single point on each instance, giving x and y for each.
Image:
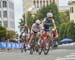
(71, 9)
(50, 1)
(53, 1)
(11, 14)
(4, 4)
(37, 4)
(12, 24)
(5, 23)
(0, 4)
(40, 3)
(34, 2)
(11, 5)
(0, 13)
(5, 14)
(47, 2)
(44, 3)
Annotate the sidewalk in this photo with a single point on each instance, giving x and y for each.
(10, 50)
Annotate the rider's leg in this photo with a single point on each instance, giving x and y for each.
(50, 35)
(31, 38)
(38, 34)
(50, 38)
(28, 37)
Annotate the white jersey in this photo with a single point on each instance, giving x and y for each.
(36, 28)
(26, 32)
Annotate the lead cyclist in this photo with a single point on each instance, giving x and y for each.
(48, 23)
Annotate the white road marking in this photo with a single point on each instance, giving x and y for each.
(68, 57)
(65, 59)
(73, 53)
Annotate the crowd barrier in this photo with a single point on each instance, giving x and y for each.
(10, 45)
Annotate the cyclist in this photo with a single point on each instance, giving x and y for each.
(26, 35)
(55, 37)
(35, 30)
(55, 33)
(48, 23)
(26, 31)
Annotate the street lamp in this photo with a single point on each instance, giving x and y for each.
(25, 18)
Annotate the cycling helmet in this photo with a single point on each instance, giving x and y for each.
(49, 15)
(37, 22)
(26, 25)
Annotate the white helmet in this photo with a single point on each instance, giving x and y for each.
(49, 15)
(25, 25)
(37, 22)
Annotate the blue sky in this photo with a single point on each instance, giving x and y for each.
(63, 2)
(19, 10)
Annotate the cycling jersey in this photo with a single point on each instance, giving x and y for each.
(26, 32)
(48, 24)
(35, 28)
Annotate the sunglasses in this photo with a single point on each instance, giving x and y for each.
(49, 17)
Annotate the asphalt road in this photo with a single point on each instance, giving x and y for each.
(63, 52)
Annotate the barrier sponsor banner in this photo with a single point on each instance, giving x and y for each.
(10, 45)
(13, 45)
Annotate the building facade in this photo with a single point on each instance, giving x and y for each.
(7, 14)
(27, 4)
(41, 3)
(72, 10)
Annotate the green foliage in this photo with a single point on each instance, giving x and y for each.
(61, 30)
(2, 32)
(64, 17)
(30, 19)
(21, 23)
(71, 30)
(10, 35)
(67, 30)
(50, 8)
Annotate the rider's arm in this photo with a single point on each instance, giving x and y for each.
(54, 23)
(55, 28)
(42, 26)
(43, 22)
(32, 28)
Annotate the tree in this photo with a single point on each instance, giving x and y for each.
(61, 31)
(10, 35)
(67, 30)
(71, 30)
(50, 8)
(31, 18)
(2, 32)
(64, 17)
(22, 22)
